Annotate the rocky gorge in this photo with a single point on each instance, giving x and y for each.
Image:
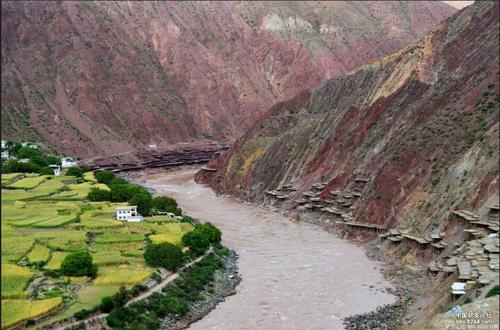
(406, 161)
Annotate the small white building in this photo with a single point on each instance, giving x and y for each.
(57, 169)
(458, 288)
(152, 146)
(4, 143)
(5, 154)
(24, 160)
(29, 144)
(67, 162)
(128, 213)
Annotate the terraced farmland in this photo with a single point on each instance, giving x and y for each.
(43, 219)
(16, 311)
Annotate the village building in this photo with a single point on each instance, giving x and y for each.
(67, 162)
(29, 144)
(128, 213)
(5, 153)
(57, 169)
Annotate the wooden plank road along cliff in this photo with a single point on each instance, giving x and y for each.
(175, 155)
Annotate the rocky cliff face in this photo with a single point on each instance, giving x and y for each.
(420, 124)
(93, 78)
(407, 143)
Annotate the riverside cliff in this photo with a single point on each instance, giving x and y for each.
(408, 143)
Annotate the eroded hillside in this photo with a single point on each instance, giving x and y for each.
(406, 143)
(95, 78)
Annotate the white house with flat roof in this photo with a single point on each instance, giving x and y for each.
(57, 169)
(67, 162)
(128, 213)
(5, 154)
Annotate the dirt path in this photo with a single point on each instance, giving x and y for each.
(167, 280)
(142, 296)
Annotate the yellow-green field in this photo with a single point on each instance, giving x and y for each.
(123, 274)
(44, 218)
(28, 183)
(14, 280)
(39, 253)
(16, 311)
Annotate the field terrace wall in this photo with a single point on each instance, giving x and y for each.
(176, 155)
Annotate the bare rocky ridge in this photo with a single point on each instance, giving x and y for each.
(99, 78)
(402, 153)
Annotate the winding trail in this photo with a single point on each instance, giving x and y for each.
(142, 296)
(295, 276)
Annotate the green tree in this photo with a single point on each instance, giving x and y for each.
(165, 255)
(78, 263)
(121, 297)
(52, 160)
(143, 201)
(75, 171)
(123, 192)
(197, 241)
(166, 204)
(107, 304)
(212, 233)
(28, 152)
(97, 194)
(104, 176)
(46, 171)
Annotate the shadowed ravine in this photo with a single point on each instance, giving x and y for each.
(295, 275)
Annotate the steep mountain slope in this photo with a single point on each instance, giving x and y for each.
(402, 142)
(105, 77)
(415, 113)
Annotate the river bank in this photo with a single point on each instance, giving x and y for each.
(224, 284)
(294, 275)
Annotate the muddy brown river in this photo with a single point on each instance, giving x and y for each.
(294, 275)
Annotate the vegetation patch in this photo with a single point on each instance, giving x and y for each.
(28, 183)
(17, 311)
(123, 274)
(39, 253)
(15, 279)
(55, 260)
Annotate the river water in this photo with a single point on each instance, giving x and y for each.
(294, 275)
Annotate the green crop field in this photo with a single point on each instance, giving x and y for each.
(14, 248)
(16, 311)
(14, 280)
(160, 219)
(12, 176)
(39, 253)
(89, 176)
(169, 232)
(44, 218)
(28, 183)
(123, 274)
(117, 237)
(93, 220)
(55, 260)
